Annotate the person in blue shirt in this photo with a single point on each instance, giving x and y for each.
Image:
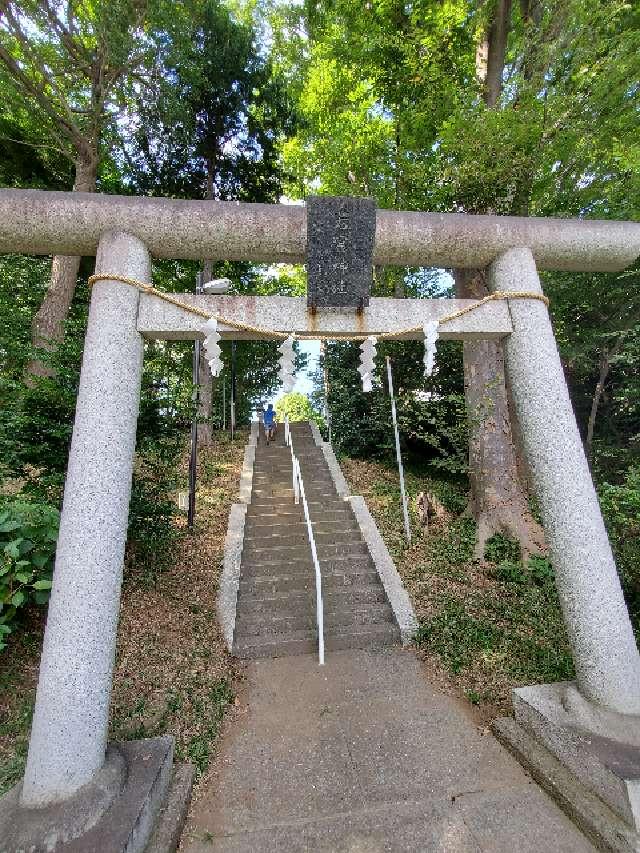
(269, 420)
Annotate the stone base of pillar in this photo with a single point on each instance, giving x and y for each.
(586, 757)
(119, 811)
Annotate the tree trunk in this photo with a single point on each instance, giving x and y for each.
(205, 404)
(499, 500)
(48, 322)
(496, 49)
(605, 367)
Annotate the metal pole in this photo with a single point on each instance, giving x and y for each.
(224, 403)
(405, 510)
(325, 370)
(193, 458)
(233, 389)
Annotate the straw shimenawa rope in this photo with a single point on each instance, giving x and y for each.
(246, 327)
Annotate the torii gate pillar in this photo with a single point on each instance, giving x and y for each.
(68, 760)
(595, 614)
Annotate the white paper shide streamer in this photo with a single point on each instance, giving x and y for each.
(431, 336)
(212, 346)
(367, 362)
(285, 374)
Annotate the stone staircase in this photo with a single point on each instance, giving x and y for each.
(276, 604)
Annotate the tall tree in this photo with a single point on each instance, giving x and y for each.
(498, 491)
(64, 64)
(508, 108)
(210, 125)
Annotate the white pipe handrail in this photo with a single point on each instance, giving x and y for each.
(299, 492)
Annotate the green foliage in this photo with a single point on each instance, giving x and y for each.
(459, 638)
(209, 124)
(621, 509)
(431, 414)
(14, 726)
(297, 407)
(499, 548)
(65, 71)
(28, 533)
(153, 509)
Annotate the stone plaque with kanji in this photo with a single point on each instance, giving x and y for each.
(340, 240)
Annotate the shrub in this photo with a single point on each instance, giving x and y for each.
(621, 509)
(28, 534)
(152, 510)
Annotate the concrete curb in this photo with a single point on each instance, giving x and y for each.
(336, 474)
(391, 580)
(230, 579)
(172, 817)
(246, 477)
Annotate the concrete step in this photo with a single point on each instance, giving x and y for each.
(279, 508)
(335, 535)
(265, 517)
(337, 565)
(257, 525)
(301, 550)
(312, 490)
(299, 602)
(259, 505)
(312, 484)
(270, 533)
(272, 584)
(272, 492)
(275, 625)
(306, 642)
(286, 477)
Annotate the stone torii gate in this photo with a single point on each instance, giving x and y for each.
(68, 783)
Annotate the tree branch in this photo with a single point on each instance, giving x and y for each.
(69, 130)
(40, 69)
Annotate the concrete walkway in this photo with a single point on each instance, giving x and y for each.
(364, 756)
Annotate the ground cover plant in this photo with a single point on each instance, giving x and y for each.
(173, 673)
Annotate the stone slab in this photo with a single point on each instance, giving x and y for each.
(340, 239)
(598, 822)
(124, 827)
(246, 475)
(159, 320)
(608, 766)
(517, 820)
(364, 755)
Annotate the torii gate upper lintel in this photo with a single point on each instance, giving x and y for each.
(70, 725)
